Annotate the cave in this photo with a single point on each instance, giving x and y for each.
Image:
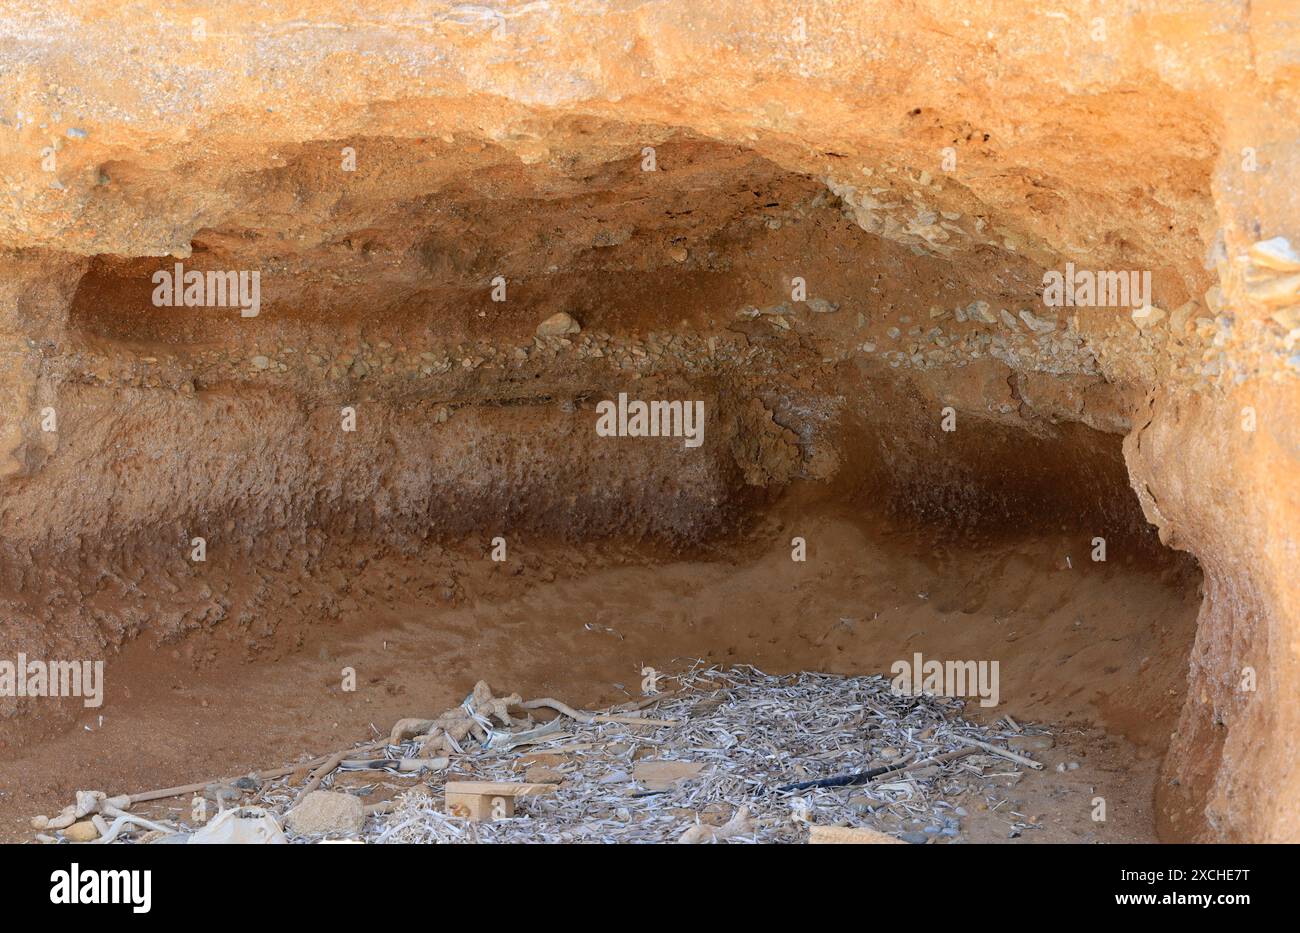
(644, 343)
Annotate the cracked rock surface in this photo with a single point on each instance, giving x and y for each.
(471, 229)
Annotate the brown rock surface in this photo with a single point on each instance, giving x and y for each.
(324, 812)
(382, 168)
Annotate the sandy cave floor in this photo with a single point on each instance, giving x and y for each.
(1092, 653)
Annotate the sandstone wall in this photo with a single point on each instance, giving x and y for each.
(968, 146)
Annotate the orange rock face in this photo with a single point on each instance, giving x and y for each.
(785, 210)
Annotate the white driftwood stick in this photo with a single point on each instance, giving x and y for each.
(1012, 756)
